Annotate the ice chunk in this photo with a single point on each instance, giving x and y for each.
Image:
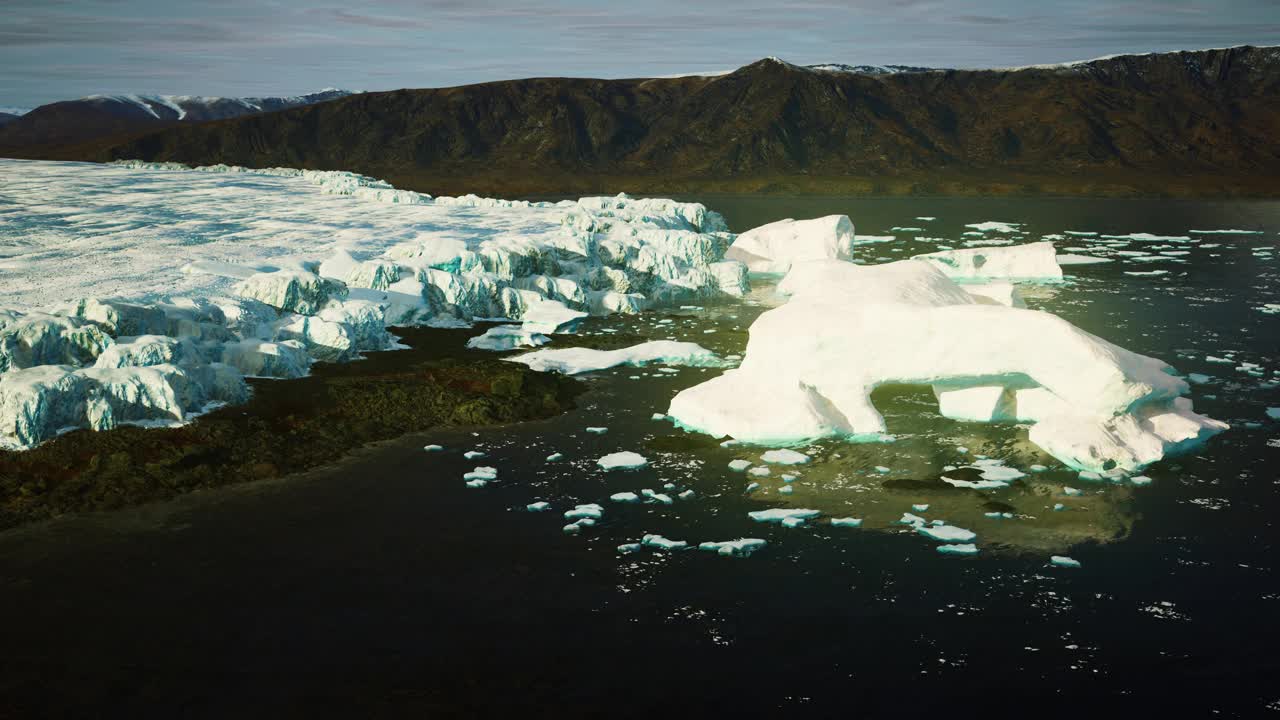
(481, 473)
(739, 465)
(1064, 561)
(742, 547)
(472, 454)
(785, 457)
(920, 508)
(625, 460)
(507, 337)
(590, 511)
(260, 358)
(846, 522)
(779, 515)
(1035, 261)
(597, 430)
(661, 543)
(555, 456)
(34, 339)
(292, 290)
(433, 448)
(773, 248)
(476, 483)
(628, 548)
(537, 506)
(995, 226)
(759, 471)
(1273, 413)
(958, 549)
(625, 497)
(572, 361)
(947, 533)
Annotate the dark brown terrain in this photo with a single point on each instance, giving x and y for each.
(1180, 124)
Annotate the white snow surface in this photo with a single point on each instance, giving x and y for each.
(262, 272)
(1032, 261)
(810, 367)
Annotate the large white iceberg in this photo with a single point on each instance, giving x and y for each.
(810, 367)
(775, 247)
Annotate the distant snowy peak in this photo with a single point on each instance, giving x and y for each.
(870, 69)
(195, 108)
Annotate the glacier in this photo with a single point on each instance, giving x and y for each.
(146, 292)
(811, 364)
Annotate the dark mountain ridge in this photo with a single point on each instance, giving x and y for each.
(1185, 123)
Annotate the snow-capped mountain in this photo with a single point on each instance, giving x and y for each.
(98, 116)
(870, 69)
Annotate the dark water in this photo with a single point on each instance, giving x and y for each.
(384, 587)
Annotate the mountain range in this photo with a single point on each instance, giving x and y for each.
(1186, 123)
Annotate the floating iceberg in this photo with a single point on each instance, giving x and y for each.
(775, 247)
(661, 543)
(782, 515)
(625, 460)
(785, 457)
(958, 549)
(742, 547)
(573, 361)
(947, 533)
(811, 365)
(507, 337)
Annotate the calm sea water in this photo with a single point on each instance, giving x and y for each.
(385, 587)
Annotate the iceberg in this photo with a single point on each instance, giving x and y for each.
(773, 248)
(947, 533)
(742, 547)
(507, 337)
(782, 515)
(661, 543)
(574, 361)
(1064, 561)
(812, 363)
(846, 522)
(958, 549)
(785, 457)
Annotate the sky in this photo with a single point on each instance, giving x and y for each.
(61, 49)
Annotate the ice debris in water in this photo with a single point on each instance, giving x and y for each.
(786, 478)
(785, 457)
(812, 363)
(625, 497)
(433, 448)
(912, 520)
(472, 454)
(629, 548)
(958, 549)
(573, 361)
(1140, 480)
(920, 508)
(752, 486)
(1071, 491)
(507, 337)
(477, 483)
(739, 465)
(1273, 413)
(760, 471)
(1059, 507)
(625, 460)
(597, 430)
(1064, 561)
(661, 543)
(658, 416)
(537, 506)
(742, 547)
(555, 456)
(652, 496)
(782, 515)
(846, 522)
(947, 533)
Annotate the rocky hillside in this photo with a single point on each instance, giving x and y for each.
(1187, 123)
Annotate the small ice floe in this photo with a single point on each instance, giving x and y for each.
(926, 218)
(590, 511)
(787, 477)
(1270, 309)
(537, 506)
(1200, 378)
(906, 229)
(920, 508)
(947, 533)
(1064, 561)
(958, 549)
(432, 448)
(1037, 468)
(472, 454)
(1071, 491)
(752, 487)
(742, 547)
(739, 465)
(625, 497)
(625, 460)
(628, 548)
(658, 416)
(846, 522)
(1089, 475)
(1273, 413)
(787, 517)
(995, 226)
(999, 515)
(786, 489)
(597, 430)
(1140, 480)
(1225, 232)
(657, 497)
(576, 526)
(555, 456)
(661, 543)
(477, 483)
(481, 473)
(912, 520)
(975, 484)
(686, 495)
(1078, 233)
(1138, 273)
(785, 457)
(759, 472)
(882, 469)
(1059, 507)
(507, 337)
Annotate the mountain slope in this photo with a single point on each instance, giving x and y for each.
(1201, 122)
(97, 116)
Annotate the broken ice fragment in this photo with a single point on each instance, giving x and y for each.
(846, 522)
(537, 506)
(958, 549)
(739, 465)
(785, 457)
(1064, 561)
(481, 473)
(472, 454)
(432, 448)
(779, 515)
(947, 533)
(661, 543)
(625, 497)
(742, 547)
(598, 430)
(590, 511)
(555, 456)
(625, 460)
